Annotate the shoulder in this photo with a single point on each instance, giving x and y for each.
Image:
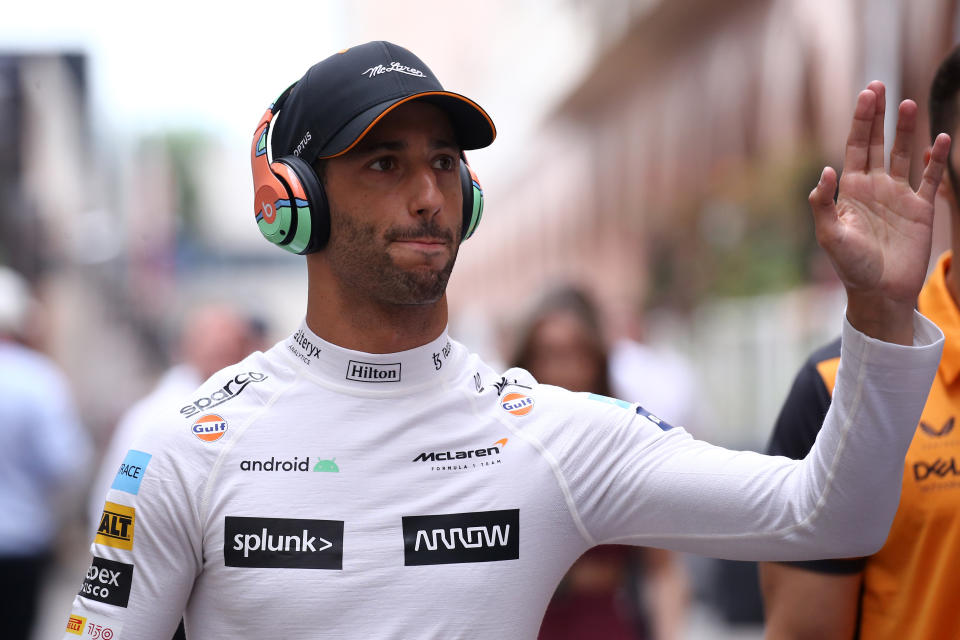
(197, 419)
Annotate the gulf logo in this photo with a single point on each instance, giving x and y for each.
(517, 404)
(210, 427)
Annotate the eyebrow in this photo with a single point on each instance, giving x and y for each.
(378, 146)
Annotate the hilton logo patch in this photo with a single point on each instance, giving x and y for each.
(369, 372)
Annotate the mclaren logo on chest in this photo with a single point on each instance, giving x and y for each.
(482, 536)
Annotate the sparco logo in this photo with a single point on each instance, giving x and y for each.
(940, 468)
(282, 543)
(482, 536)
(370, 372)
(434, 456)
(229, 391)
(108, 581)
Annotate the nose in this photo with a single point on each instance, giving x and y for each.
(426, 199)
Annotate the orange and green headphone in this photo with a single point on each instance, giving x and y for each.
(290, 205)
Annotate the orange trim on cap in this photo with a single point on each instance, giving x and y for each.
(408, 99)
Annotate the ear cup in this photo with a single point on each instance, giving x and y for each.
(472, 200)
(313, 214)
(290, 206)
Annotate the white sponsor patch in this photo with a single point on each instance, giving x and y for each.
(91, 626)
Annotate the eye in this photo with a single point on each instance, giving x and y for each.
(445, 163)
(383, 164)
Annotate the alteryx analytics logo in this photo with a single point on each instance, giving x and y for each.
(282, 543)
(210, 427)
(296, 464)
(456, 538)
(517, 403)
(131, 471)
(116, 526)
(229, 391)
(108, 581)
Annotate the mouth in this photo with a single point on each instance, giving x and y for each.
(423, 244)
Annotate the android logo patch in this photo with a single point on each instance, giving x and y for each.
(327, 465)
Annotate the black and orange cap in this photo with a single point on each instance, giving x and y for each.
(339, 99)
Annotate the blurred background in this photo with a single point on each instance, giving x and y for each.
(657, 153)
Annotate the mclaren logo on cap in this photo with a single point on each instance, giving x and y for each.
(394, 66)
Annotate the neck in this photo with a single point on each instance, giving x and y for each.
(952, 276)
(349, 319)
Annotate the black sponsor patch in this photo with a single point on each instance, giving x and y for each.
(282, 543)
(108, 581)
(454, 538)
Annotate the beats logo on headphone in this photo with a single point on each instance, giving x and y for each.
(290, 205)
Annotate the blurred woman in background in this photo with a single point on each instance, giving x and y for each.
(615, 592)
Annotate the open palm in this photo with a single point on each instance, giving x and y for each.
(878, 233)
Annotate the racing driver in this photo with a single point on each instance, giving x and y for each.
(369, 477)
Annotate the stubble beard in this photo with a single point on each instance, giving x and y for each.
(359, 259)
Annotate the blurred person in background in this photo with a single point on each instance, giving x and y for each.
(909, 589)
(212, 337)
(615, 592)
(379, 480)
(44, 451)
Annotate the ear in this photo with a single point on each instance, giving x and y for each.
(945, 190)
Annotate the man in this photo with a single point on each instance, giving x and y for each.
(372, 479)
(44, 450)
(908, 588)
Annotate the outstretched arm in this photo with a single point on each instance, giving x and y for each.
(878, 233)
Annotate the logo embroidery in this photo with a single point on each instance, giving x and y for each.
(116, 526)
(108, 581)
(517, 404)
(131, 470)
(483, 536)
(282, 543)
(933, 431)
(370, 372)
(394, 66)
(210, 427)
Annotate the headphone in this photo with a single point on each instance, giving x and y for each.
(290, 205)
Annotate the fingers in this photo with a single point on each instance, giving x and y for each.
(933, 172)
(857, 153)
(822, 204)
(875, 154)
(900, 153)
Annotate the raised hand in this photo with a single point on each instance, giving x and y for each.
(878, 233)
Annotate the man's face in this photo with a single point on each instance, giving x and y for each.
(395, 208)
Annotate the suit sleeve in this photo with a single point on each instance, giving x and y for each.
(796, 429)
(146, 552)
(632, 480)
